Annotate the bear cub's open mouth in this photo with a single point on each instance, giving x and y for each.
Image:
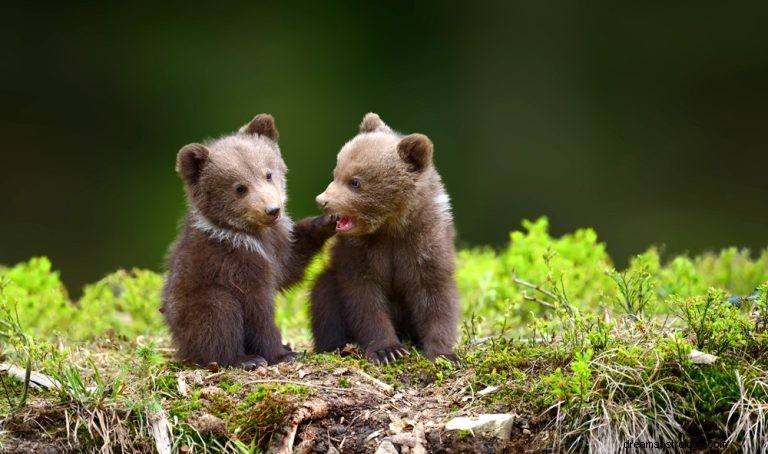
(345, 223)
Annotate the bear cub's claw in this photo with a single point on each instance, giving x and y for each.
(387, 355)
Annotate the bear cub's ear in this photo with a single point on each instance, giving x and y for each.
(372, 122)
(262, 124)
(416, 150)
(190, 162)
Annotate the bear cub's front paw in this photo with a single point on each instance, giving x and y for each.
(325, 225)
(386, 355)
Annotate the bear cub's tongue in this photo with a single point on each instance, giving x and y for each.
(345, 223)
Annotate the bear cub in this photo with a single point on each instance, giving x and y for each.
(391, 271)
(236, 249)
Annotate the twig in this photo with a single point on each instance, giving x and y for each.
(312, 409)
(537, 300)
(161, 429)
(36, 380)
(213, 375)
(563, 301)
(538, 288)
(384, 386)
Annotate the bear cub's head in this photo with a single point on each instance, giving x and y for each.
(236, 182)
(379, 176)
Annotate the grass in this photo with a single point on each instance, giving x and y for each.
(589, 357)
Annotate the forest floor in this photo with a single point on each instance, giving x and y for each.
(316, 403)
(559, 350)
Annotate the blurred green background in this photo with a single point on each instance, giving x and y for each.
(645, 120)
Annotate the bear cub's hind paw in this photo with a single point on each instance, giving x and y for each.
(252, 362)
(288, 357)
(452, 357)
(433, 356)
(386, 355)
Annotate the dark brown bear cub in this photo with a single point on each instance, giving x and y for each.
(237, 248)
(391, 272)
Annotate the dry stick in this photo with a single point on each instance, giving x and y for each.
(37, 380)
(536, 300)
(313, 409)
(385, 386)
(542, 290)
(286, 445)
(66, 423)
(213, 375)
(161, 430)
(538, 288)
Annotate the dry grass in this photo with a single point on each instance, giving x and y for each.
(748, 418)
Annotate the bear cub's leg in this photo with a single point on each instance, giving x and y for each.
(327, 315)
(369, 322)
(214, 333)
(437, 323)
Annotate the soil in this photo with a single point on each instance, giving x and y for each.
(346, 410)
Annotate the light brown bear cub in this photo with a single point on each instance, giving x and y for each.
(237, 248)
(391, 272)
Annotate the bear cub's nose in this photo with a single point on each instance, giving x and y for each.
(273, 211)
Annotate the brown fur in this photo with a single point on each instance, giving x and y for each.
(235, 250)
(391, 277)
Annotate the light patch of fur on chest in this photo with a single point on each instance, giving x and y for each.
(443, 203)
(239, 240)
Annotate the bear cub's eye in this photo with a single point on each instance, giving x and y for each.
(240, 189)
(354, 183)
(269, 176)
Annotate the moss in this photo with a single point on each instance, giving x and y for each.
(502, 360)
(257, 423)
(332, 360)
(253, 418)
(181, 408)
(230, 386)
(710, 393)
(413, 370)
